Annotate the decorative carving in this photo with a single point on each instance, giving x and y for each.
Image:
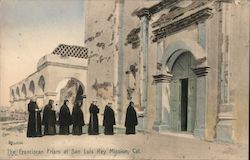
(200, 61)
(231, 1)
(160, 78)
(71, 51)
(200, 71)
(143, 12)
(164, 4)
(176, 12)
(199, 16)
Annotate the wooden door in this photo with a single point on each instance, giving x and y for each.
(181, 71)
(175, 104)
(191, 104)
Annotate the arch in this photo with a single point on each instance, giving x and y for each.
(182, 66)
(183, 94)
(32, 87)
(13, 94)
(71, 89)
(24, 90)
(41, 83)
(175, 49)
(64, 82)
(82, 85)
(192, 88)
(17, 92)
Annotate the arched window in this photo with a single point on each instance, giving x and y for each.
(32, 87)
(24, 91)
(12, 94)
(41, 83)
(17, 92)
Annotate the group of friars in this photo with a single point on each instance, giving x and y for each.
(76, 119)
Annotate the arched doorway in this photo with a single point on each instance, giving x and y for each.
(181, 89)
(183, 94)
(71, 89)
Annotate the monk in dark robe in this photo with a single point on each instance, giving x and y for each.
(77, 118)
(93, 120)
(49, 119)
(64, 119)
(34, 123)
(131, 119)
(108, 120)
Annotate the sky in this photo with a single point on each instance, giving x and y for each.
(30, 29)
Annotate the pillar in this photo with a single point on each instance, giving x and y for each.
(40, 101)
(144, 24)
(27, 101)
(118, 77)
(23, 102)
(199, 130)
(162, 102)
(224, 128)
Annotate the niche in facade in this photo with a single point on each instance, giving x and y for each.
(131, 81)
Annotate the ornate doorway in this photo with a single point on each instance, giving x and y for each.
(183, 94)
(181, 88)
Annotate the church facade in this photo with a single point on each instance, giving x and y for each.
(185, 64)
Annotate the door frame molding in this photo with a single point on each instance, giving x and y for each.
(170, 55)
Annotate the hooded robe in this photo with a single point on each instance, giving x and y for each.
(131, 120)
(49, 120)
(77, 119)
(108, 120)
(93, 120)
(34, 122)
(64, 119)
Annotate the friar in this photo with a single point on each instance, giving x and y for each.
(109, 120)
(77, 118)
(64, 118)
(93, 120)
(34, 122)
(49, 119)
(131, 119)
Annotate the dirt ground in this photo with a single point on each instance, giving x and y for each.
(15, 145)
